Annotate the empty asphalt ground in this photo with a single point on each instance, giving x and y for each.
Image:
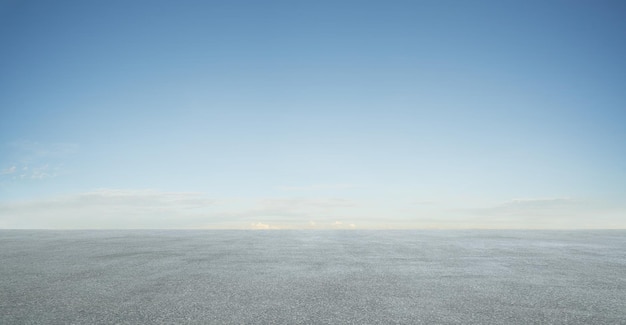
(312, 277)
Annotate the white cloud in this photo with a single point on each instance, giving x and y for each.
(556, 213)
(8, 171)
(36, 160)
(108, 208)
(300, 209)
(425, 202)
(342, 225)
(262, 226)
(187, 199)
(287, 213)
(293, 211)
(123, 208)
(538, 202)
(317, 187)
(533, 206)
(300, 203)
(42, 172)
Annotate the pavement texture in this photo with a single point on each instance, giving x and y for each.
(312, 277)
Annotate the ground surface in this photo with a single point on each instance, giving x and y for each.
(312, 277)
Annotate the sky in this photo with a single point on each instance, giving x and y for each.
(312, 114)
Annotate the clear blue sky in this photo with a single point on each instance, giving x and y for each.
(313, 114)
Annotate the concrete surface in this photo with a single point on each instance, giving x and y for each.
(312, 277)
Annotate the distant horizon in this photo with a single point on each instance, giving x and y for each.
(252, 228)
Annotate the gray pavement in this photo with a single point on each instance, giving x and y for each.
(312, 277)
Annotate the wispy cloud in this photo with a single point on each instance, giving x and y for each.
(300, 208)
(285, 213)
(317, 187)
(555, 212)
(37, 172)
(262, 226)
(147, 196)
(123, 208)
(8, 171)
(343, 225)
(108, 208)
(41, 172)
(535, 203)
(297, 203)
(309, 225)
(425, 202)
(30, 160)
(527, 206)
(127, 208)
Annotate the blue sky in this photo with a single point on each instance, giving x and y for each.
(313, 114)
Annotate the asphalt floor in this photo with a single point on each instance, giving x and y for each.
(312, 277)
